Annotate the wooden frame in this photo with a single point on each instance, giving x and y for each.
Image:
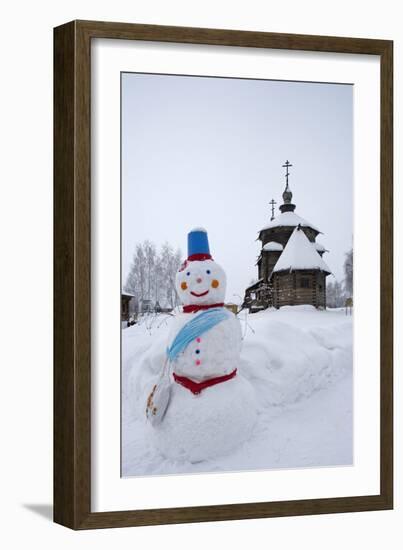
(72, 215)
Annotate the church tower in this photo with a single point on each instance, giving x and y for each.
(287, 206)
(291, 270)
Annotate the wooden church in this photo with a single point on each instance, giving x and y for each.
(291, 270)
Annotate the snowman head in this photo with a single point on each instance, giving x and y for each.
(200, 280)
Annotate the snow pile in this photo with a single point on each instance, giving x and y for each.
(214, 424)
(320, 247)
(300, 254)
(289, 219)
(298, 361)
(272, 247)
(288, 358)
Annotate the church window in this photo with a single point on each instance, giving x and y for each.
(305, 282)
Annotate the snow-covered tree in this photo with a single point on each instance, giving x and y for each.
(170, 263)
(150, 255)
(152, 275)
(335, 295)
(136, 280)
(337, 292)
(348, 272)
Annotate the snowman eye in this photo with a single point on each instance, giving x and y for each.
(188, 273)
(208, 272)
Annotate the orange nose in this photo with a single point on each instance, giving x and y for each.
(199, 280)
(215, 283)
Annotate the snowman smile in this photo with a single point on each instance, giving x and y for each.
(199, 295)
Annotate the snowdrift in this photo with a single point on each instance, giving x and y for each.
(299, 362)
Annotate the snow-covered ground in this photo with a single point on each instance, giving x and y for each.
(299, 361)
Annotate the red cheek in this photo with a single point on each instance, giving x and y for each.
(198, 362)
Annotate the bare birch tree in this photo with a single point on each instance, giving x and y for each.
(170, 262)
(335, 295)
(152, 275)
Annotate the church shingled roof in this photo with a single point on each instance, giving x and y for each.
(289, 219)
(300, 253)
(254, 285)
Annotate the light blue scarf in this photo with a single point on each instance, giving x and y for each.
(197, 326)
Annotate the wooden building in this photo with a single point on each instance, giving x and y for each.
(127, 306)
(291, 270)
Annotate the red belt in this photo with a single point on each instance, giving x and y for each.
(197, 387)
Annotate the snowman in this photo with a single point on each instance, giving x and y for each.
(211, 409)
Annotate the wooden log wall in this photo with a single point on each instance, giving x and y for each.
(288, 289)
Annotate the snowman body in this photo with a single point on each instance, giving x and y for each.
(214, 353)
(199, 425)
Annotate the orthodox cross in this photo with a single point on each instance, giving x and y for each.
(272, 203)
(287, 165)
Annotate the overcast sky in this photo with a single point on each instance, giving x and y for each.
(208, 152)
